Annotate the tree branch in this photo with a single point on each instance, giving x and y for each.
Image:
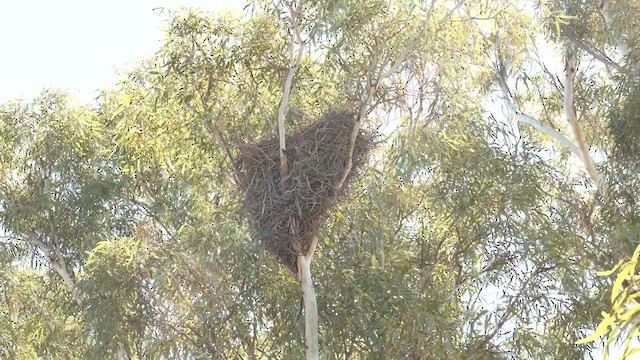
(310, 307)
(57, 264)
(304, 260)
(365, 107)
(528, 119)
(294, 64)
(598, 55)
(570, 112)
(508, 314)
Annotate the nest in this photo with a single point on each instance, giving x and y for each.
(286, 215)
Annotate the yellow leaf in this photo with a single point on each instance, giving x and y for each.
(610, 272)
(636, 254)
(600, 330)
(625, 272)
(633, 296)
(627, 354)
(630, 313)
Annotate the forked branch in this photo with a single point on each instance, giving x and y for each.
(528, 119)
(579, 148)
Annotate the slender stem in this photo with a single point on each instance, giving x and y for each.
(597, 54)
(570, 112)
(294, 64)
(365, 107)
(508, 314)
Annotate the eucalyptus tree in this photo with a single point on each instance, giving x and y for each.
(59, 197)
(576, 84)
(501, 182)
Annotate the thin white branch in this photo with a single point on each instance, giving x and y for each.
(304, 262)
(528, 119)
(365, 107)
(57, 264)
(294, 64)
(580, 149)
(570, 112)
(372, 87)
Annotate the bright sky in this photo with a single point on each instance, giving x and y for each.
(78, 45)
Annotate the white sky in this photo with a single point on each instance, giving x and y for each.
(77, 45)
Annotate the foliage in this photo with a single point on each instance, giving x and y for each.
(472, 232)
(621, 322)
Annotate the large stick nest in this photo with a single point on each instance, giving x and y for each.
(286, 215)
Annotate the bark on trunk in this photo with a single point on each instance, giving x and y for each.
(310, 308)
(304, 262)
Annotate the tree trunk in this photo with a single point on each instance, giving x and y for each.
(310, 308)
